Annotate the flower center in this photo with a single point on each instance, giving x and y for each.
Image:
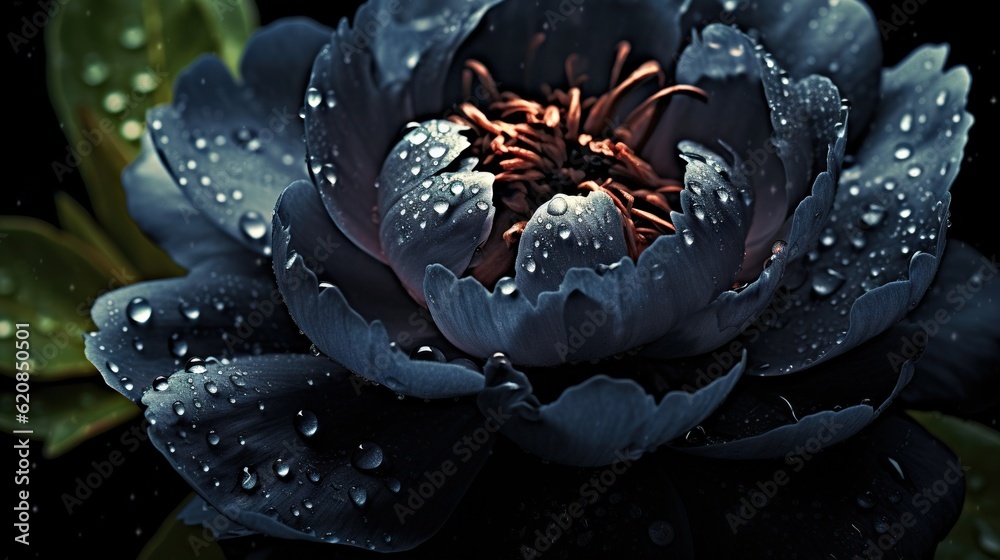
(569, 144)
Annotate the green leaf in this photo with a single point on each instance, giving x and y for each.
(66, 415)
(109, 61)
(976, 535)
(75, 219)
(174, 539)
(49, 279)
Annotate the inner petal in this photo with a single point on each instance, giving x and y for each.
(565, 143)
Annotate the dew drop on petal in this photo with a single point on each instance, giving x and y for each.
(367, 457)
(306, 423)
(139, 311)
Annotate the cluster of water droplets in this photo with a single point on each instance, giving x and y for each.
(890, 206)
(208, 390)
(122, 96)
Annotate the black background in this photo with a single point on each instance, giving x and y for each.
(130, 505)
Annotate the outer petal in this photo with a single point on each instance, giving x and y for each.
(838, 39)
(786, 146)
(892, 492)
(772, 417)
(220, 309)
(623, 305)
(168, 218)
(309, 249)
(366, 84)
(233, 147)
(598, 421)
(958, 372)
(429, 215)
(885, 235)
(269, 448)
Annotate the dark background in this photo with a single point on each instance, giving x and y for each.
(131, 504)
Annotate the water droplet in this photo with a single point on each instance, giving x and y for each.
(144, 82)
(195, 365)
(95, 70)
(914, 171)
(427, 354)
(127, 383)
(358, 495)
(903, 151)
(313, 476)
(529, 264)
(367, 457)
(866, 500)
(826, 282)
(115, 102)
(441, 206)
(437, 151)
(238, 380)
(942, 98)
(160, 383)
(872, 215)
(557, 206)
(281, 469)
(132, 37)
(507, 286)
(188, 311)
(688, 236)
(212, 438)
(112, 366)
(248, 479)
(131, 130)
(661, 533)
(828, 238)
(418, 137)
(179, 408)
(415, 170)
(253, 226)
(393, 485)
(313, 97)
(483, 205)
(306, 423)
(139, 311)
(778, 247)
(211, 387)
(330, 174)
(178, 346)
(564, 231)
(906, 123)
(457, 188)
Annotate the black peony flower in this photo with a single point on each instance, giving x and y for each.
(567, 223)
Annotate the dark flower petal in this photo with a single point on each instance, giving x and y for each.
(891, 492)
(958, 372)
(801, 122)
(232, 147)
(769, 417)
(598, 421)
(880, 251)
(429, 215)
(567, 232)
(220, 309)
(532, 509)
(169, 219)
(370, 80)
(584, 30)
(839, 39)
(622, 303)
(199, 512)
(269, 450)
(358, 338)
(277, 61)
